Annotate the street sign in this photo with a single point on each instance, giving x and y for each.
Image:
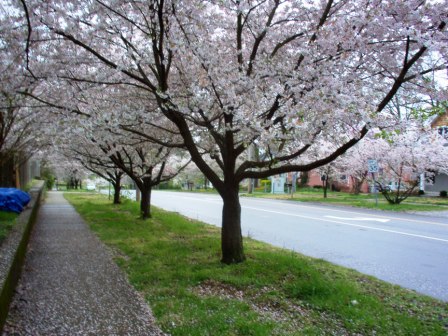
(373, 166)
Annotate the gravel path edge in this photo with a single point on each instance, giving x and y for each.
(13, 251)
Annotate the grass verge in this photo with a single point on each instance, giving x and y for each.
(174, 262)
(361, 201)
(7, 221)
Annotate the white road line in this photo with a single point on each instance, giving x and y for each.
(381, 220)
(219, 201)
(349, 224)
(300, 204)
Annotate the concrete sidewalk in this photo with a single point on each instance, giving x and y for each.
(70, 284)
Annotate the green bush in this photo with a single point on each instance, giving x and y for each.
(49, 182)
(421, 192)
(169, 185)
(265, 185)
(48, 176)
(443, 193)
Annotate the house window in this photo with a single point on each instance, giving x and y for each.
(443, 131)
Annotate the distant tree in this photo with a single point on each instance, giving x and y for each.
(353, 164)
(407, 156)
(146, 164)
(95, 161)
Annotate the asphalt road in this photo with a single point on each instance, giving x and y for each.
(404, 249)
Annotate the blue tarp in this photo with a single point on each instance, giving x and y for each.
(12, 199)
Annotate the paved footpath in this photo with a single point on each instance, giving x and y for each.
(70, 285)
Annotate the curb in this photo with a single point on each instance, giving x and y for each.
(13, 251)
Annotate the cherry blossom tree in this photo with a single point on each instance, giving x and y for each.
(191, 176)
(65, 169)
(21, 131)
(353, 164)
(405, 158)
(145, 165)
(94, 160)
(282, 75)
(329, 171)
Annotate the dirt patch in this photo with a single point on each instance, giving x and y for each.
(290, 315)
(280, 311)
(219, 289)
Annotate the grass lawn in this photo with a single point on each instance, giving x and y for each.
(174, 262)
(414, 203)
(7, 221)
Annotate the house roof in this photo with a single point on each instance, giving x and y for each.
(440, 120)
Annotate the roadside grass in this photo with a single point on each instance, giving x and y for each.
(174, 262)
(7, 221)
(413, 203)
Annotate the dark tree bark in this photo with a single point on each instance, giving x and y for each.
(231, 237)
(325, 187)
(117, 190)
(145, 202)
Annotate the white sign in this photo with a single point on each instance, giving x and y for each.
(373, 166)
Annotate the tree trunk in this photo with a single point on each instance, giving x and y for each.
(138, 194)
(117, 189)
(325, 187)
(231, 238)
(357, 185)
(145, 203)
(250, 186)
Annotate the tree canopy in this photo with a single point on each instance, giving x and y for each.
(220, 76)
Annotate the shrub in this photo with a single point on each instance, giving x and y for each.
(265, 185)
(317, 187)
(443, 193)
(169, 185)
(421, 192)
(49, 182)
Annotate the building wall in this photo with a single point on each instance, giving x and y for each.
(12, 176)
(314, 179)
(440, 121)
(440, 183)
(440, 180)
(346, 185)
